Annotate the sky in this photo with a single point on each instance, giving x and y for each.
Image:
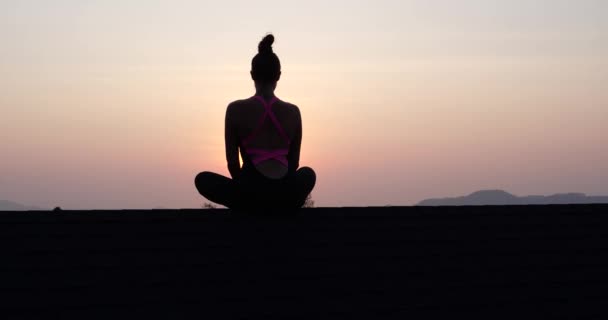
(118, 104)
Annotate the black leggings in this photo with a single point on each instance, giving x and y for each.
(252, 190)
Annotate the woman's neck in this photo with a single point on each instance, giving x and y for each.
(265, 91)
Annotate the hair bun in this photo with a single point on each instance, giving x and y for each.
(265, 45)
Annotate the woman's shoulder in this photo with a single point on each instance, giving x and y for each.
(236, 104)
(289, 105)
(236, 108)
(292, 108)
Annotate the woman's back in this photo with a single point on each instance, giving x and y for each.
(256, 130)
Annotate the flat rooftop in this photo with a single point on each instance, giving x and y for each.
(322, 263)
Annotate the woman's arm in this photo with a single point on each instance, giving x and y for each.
(232, 143)
(293, 157)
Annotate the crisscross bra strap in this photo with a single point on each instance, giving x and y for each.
(267, 113)
(259, 155)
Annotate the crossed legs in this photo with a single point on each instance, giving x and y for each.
(239, 194)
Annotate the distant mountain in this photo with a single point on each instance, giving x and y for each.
(6, 205)
(501, 197)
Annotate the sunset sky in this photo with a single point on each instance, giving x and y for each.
(120, 103)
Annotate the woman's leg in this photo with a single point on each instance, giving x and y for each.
(217, 188)
(304, 180)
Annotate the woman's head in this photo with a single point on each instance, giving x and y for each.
(265, 66)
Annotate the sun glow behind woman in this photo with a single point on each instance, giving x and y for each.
(114, 104)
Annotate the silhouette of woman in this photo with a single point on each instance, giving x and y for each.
(268, 133)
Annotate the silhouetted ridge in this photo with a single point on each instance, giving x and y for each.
(6, 205)
(496, 196)
(501, 197)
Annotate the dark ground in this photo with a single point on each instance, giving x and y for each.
(503, 262)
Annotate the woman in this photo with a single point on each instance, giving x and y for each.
(268, 133)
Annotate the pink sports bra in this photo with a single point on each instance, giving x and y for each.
(258, 155)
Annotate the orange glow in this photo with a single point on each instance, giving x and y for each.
(400, 101)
